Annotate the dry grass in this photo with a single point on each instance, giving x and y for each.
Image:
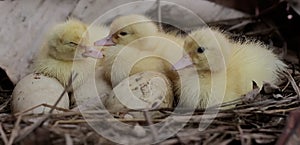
(258, 120)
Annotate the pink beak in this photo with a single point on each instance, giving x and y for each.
(107, 41)
(184, 62)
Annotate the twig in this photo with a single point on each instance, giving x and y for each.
(241, 134)
(280, 110)
(285, 87)
(108, 120)
(159, 14)
(68, 87)
(15, 131)
(56, 108)
(211, 138)
(45, 105)
(4, 104)
(295, 86)
(3, 135)
(27, 110)
(171, 141)
(68, 139)
(152, 127)
(5, 91)
(236, 20)
(260, 32)
(244, 23)
(27, 130)
(226, 142)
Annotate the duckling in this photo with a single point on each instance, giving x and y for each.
(217, 70)
(62, 50)
(138, 41)
(65, 50)
(136, 49)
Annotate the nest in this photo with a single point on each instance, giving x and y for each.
(258, 118)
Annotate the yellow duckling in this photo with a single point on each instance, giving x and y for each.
(63, 49)
(216, 70)
(65, 52)
(140, 46)
(58, 54)
(137, 56)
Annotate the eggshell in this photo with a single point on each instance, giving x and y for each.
(35, 89)
(142, 91)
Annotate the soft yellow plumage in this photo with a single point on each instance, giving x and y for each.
(140, 46)
(61, 50)
(222, 68)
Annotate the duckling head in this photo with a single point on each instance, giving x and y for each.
(206, 49)
(67, 38)
(126, 29)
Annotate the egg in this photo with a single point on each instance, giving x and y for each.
(142, 91)
(36, 89)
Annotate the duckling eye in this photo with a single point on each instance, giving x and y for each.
(123, 33)
(72, 44)
(200, 49)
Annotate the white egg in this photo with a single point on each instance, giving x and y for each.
(36, 89)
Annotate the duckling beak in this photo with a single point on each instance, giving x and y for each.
(107, 41)
(184, 62)
(92, 52)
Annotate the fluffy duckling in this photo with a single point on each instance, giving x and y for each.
(139, 49)
(140, 46)
(65, 51)
(216, 70)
